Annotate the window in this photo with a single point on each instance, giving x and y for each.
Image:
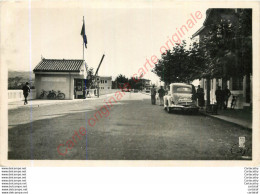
(237, 83)
(182, 89)
(105, 81)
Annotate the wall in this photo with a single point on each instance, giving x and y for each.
(53, 81)
(49, 82)
(103, 92)
(17, 95)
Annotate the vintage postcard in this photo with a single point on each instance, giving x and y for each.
(129, 83)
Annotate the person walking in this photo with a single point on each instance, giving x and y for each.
(219, 97)
(26, 91)
(200, 96)
(161, 95)
(153, 93)
(226, 95)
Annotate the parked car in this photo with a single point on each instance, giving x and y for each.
(180, 97)
(135, 90)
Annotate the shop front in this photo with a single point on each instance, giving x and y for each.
(79, 88)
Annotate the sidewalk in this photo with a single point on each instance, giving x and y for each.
(239, 117)
(46, 102)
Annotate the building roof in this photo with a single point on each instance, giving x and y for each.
(59, 65)
(105, 77)
(219, 13)
(198, 32)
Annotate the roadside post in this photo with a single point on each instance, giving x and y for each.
(97, 81)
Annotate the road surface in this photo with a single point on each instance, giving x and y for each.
(133, 130)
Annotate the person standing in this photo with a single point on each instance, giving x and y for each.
(219, 97)
(88, 94)
(200, 96)
(84, 91)
(226, 94)
(161, 95)
(153, 93)
(26, 91)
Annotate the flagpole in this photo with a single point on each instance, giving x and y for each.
(83, 40)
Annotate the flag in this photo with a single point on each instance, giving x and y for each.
(83, 34)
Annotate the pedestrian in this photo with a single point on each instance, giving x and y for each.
(88, 94)
(75, 92)
(200, 96)
(153, 93)
(84, 92)
(161, 95)
(194, 94)
(219, 97)
(226, 94)
(26, 91)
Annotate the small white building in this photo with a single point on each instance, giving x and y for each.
(67, 76)
(105, 84)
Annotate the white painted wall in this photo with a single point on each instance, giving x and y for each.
(17, 95)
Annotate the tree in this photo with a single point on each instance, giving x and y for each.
(15, 82)
(228, 46)
(121, 79)
(90, 78)
(135, 83)
(244, 35)
(181, 64)
(224, 52)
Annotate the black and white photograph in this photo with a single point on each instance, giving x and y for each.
(150, 81)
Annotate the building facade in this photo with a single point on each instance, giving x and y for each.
(66, 76)
(146, 84)
(105, 84)
(240, 86)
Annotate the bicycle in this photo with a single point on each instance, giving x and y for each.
(51, 95)
(59, 95)
(234, 102)
(43, 93)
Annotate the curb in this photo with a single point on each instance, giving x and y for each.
(53, 102)
(227, 121)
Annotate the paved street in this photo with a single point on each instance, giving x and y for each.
(134, 130)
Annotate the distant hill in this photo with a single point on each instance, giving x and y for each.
(16, 79)
(24, 74)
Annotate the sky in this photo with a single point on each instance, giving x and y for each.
(127, 33)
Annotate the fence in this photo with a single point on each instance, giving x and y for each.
(17, 95)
